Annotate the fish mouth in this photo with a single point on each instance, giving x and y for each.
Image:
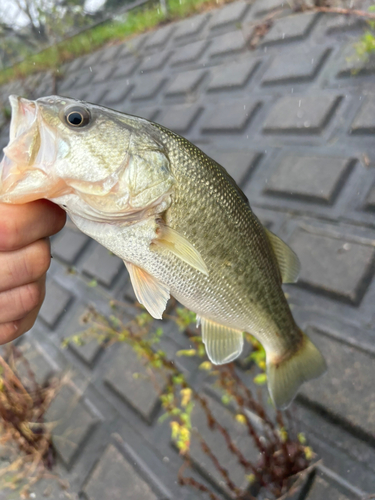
(25, 173)
(23, 131)
(23, 116)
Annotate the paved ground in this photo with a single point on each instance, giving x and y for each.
(295, 128)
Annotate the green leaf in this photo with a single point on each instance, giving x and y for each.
(225, 399)
(116, 323)
(201, 350)
(258, 356)
(260, 379)
(159, 332)
(184, 317)
(178, 379)
(251, 478)
(163, 417)
(186, 352)
(206, 365)
(301, 438)
(143, 319)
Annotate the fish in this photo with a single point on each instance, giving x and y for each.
(175, 217)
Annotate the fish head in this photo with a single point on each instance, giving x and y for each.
(85, 157)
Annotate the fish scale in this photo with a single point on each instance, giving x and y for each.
(252, 275)
(176, 218)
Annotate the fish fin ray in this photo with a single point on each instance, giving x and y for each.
(288, 261)
(223, 344)
(285, 377)
(176, 243)
(152, 294)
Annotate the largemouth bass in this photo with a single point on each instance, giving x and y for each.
(176, 218)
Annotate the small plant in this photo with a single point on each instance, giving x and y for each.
(366, 44)
(283, 453)
(23, 434)
(137, 21)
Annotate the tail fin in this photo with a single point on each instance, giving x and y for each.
(285, 377)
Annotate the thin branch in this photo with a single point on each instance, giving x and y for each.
(299, 481)
(223, 472)
(345, 12)
(189, 481)
(214, 424)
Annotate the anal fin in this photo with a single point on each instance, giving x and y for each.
(223, 344)
(149, 292)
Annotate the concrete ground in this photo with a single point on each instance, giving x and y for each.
(293, 122)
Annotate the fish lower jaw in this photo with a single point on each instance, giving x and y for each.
(30, 185)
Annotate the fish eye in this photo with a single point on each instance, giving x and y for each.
(77, 116)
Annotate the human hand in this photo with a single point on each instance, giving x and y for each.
(24, 259)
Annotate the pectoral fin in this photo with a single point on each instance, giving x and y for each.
(288, 261)
(149, 292)
(176, 243)
(223, 344)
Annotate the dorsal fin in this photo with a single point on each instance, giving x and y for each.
(288, 261)
(223, 344)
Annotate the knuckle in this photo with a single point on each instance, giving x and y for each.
(8, 331)
(61, 220)
(8, 233)
(25, 265)
(31, 296)
(40, 259)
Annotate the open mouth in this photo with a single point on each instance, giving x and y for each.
(25, 171)
(23, 136)
(23, 116)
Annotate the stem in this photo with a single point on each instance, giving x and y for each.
(253, 406)
(206, 449)
(345, 12)
(189, 481)
(213, 423)
(14, 379)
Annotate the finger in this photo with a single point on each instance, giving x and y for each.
(12, 330)
(15, 304)
(21, 225)
(25, 265)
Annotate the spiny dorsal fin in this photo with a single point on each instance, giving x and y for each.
(176, 243)
(149, 292)
(288, 261)
(223, 344)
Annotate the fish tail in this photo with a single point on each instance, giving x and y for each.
(286, 376)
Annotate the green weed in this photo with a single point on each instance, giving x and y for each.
(366, 44)
(136, 22)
